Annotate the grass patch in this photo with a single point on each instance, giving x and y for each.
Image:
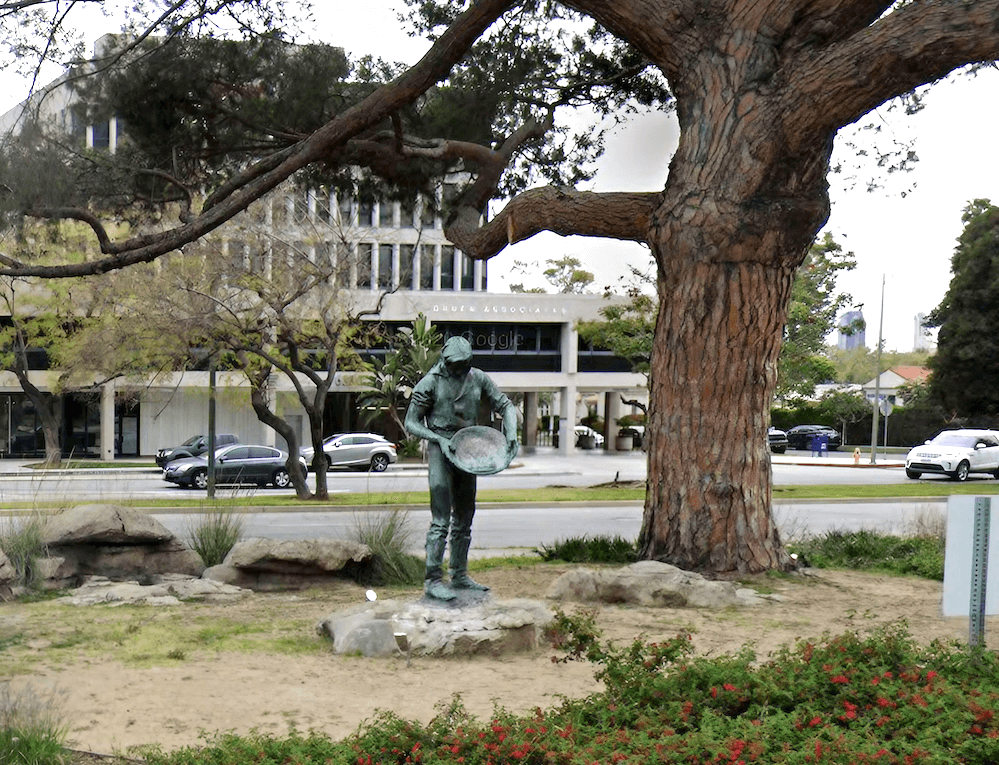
(32, 731)
(389, 536)
(21, 539)
(869, 550)
(214, 532)
(587, 549)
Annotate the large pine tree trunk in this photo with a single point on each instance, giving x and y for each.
(739, 211)
(708, 505)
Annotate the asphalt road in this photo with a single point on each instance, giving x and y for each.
(500, 527)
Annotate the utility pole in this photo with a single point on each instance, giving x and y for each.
(877, 380)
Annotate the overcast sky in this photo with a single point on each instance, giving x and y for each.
(905, 240)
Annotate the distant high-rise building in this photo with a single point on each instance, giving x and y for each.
(924, 338)
(858, 337)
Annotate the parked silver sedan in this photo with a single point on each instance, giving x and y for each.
(360, 451)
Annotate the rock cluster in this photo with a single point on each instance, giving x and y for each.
(651, 583)
(435, 628)
(118, 554)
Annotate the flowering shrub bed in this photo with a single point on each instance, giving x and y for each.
(846, 699)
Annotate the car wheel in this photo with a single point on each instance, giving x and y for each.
(282, 479)
(995, 473)
(777, 449)
(329, 463)
(199, 480)
(379, 463)
(912, 473)
(961, 474)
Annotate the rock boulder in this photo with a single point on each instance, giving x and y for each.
(115, 542)
(288, 564)
(649, 583)
(432, 628)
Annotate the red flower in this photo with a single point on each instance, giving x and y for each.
(728, 687)
(842, 679)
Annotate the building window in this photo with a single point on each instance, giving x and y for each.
(101, 133)
(426, 267)
(447, 267)
(407, 213)
(386, 214)
(407, 266)
(365, 251)
(385, 266)
(467, 273)
(344, 204)
(365, 214)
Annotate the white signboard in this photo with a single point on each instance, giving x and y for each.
(959, 560)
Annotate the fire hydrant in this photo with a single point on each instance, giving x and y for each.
(856, 456)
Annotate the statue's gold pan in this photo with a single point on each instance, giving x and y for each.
(479, 450)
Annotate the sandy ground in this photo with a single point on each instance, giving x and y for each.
(114, 699)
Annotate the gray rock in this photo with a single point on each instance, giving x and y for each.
(430, 628)
(296, 556)
(169, 590)
(7, 572)
(122, 562)
(115, 542)
(103, 525)
(274, 564)
(647, 583)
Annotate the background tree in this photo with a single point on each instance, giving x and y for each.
(565, 274)
(412, 353)
(965, 379)
(760, 93)
(628, 329)
(845, 407)
(811, 317)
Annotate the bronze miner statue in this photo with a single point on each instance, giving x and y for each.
(445, 402)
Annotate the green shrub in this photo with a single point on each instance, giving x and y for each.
(410, 448)
(214, 532)
(876, 698)
(21, 539)
(587, 549)
(868, 550)
(31, 729)
(389, 536)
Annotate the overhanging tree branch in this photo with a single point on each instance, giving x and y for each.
(443, 55)
(615, 215)
(916, 44)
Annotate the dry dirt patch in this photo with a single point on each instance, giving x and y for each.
(165, 675)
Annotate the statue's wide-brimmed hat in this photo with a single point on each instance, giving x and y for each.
(479, 450)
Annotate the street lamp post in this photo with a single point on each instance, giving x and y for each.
(877, 380)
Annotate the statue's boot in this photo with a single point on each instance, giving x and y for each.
(433, 581)
(460, 580)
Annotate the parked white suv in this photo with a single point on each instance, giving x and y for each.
(956, 453)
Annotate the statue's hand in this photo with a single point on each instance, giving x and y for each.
(512, 446)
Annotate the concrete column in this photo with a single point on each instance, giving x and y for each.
(567, 419)
(612, 411)
(530, 423)
(107, 421)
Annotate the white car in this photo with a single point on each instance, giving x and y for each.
(361, 451)
(956, 453)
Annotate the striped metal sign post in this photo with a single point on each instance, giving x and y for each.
(979, 569)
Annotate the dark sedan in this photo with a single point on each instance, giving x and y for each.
(800, 437)
(237, 464)
(777, 439)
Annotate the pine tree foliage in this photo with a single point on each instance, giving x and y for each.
(965, 379)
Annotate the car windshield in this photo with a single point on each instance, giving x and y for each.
(191, 441)
(955, 439)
